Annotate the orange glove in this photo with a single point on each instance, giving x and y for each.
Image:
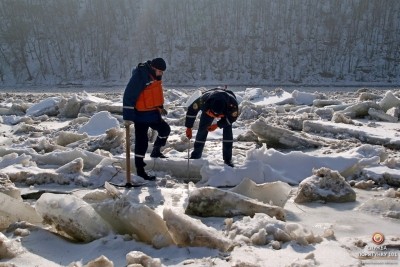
(189, 133)
(212, 127)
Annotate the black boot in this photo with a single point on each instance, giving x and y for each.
(144, 175)
(195, 154)
(156, 153)
(229, 163)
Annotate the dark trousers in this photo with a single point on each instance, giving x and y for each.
(142, 139)
(201, 136)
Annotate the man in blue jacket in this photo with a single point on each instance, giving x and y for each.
(220, 104)
(143, 104)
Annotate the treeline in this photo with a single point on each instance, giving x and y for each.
(230, 41)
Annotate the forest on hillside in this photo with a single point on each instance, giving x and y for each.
(306, 42)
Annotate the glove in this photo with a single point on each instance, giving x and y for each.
(163, 111)
(212, 127)
(189, 133)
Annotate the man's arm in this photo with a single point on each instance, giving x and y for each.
(192, 112)
(133, 89)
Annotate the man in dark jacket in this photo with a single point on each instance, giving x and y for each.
(143, 103)
(218, 104)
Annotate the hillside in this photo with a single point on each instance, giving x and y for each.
(268, 42)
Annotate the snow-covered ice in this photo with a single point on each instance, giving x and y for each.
(316, 176)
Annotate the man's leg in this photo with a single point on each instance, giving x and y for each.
(227, 144)
(201, 136)
(141, 144)
(163, 131)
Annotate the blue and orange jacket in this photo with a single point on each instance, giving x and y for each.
(143, 96)
(229, 112)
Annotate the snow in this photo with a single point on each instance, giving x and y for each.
(58, 208)
(99, 123)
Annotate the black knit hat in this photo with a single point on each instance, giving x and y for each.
(159, 64)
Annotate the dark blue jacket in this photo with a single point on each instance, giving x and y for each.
(139, 80)
(207, 101)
